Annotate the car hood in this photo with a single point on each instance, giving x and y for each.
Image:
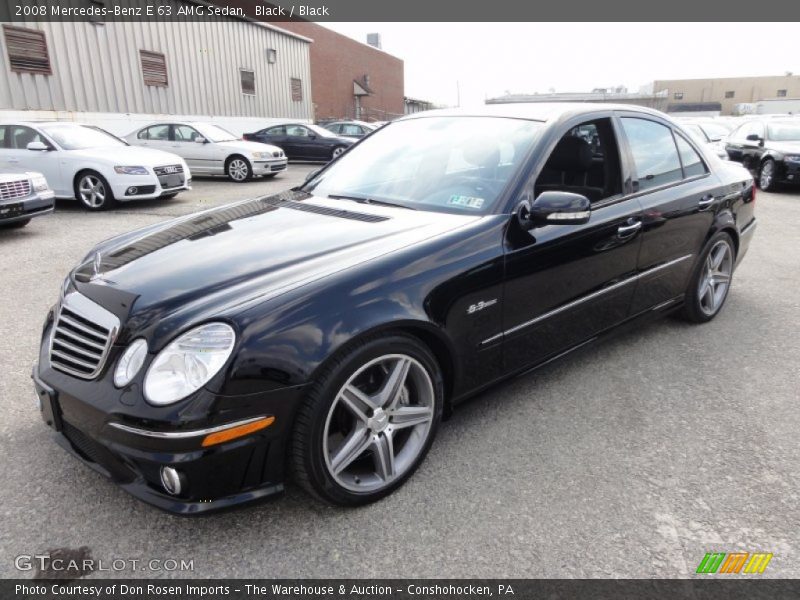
(248, 147)
(792, 147)
(128, 156)
(226, 258)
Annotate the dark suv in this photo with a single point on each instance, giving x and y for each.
(770, 148)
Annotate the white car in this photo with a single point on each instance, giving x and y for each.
(87, 163)
(212, 150)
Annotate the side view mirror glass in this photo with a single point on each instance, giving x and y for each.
(554, 208)
(200, 139)
(38, 147)
(753, 137)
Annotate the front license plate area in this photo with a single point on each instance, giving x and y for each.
(8, 211)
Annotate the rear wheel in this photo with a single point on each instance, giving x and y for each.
(368, 421)
(93, 191)
(238, 169)
(711, 280)
(766, 175)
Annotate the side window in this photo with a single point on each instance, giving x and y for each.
(297, 131)
(159, 133)
(350, 129)
(584, 161)
(184, 133)
(280, 130)
(692, 163)
(20, 137)
(2, 136)
(654, 154)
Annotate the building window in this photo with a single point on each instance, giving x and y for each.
(297, 90)
(248, 79)
(678, 95)
(154, 68)
(272, 56)
(781, 93)
(27, 50)
(729, 94)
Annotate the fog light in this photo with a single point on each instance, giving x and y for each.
(172, 480)
(132, 190)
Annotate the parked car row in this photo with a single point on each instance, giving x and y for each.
(303, 141)
(770, 148)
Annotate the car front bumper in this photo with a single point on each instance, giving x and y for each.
(22, 209)
(146, 187)
(241, 471)
(791, 172)
(269, 167)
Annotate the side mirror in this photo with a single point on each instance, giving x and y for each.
(554, 208)
(200, 139)
(754, 137)
(312, 137)
(38, 147)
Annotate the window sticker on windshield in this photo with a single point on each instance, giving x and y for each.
(465, 201)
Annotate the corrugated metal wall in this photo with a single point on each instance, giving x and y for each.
(96, 68)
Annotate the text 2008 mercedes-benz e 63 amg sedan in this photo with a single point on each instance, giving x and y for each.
(323, 332)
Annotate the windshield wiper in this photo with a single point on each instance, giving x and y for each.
(364, 200)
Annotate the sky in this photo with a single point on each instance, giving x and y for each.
(445, 62)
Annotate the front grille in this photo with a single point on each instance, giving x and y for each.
(82, 336)
(14, 189)
(168, 170)
(277, 153)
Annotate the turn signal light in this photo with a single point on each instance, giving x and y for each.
(226, 435)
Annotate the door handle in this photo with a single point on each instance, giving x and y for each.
(626, 231)
(706, 201)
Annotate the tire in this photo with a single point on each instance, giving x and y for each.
(238, 169)
(767, 175)
(93, 192)
(337, 152)
(711, 280)
(399, 426)
(15, 224)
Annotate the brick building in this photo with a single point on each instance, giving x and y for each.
(350, 79)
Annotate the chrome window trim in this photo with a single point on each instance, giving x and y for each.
(586, 298)
(179, 435)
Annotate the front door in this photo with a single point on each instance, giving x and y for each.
(566, 283)
(201, 157)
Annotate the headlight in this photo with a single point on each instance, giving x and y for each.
(261, 155)
(130, 362)
(131, 170)
(39, 184)
(188, 363)
(792, 158)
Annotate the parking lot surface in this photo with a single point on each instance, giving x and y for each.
(632, 458)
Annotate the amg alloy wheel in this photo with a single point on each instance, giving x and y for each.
(368, 425)
(94, 192)
(337, 152)
(766, 176)
(711, 280)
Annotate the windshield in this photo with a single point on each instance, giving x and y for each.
(715, 132)
(448, 164)
(214, 133)
(784, 132)
(81, 137)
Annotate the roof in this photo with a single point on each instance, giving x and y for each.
(534, 111)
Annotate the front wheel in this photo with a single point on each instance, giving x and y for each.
(337, 152)
(238, 169)
(711, 280)
(368, 421)
(766, 175)
(93, 191)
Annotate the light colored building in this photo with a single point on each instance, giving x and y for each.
(726, 92)
(599, 95)
(120, 74)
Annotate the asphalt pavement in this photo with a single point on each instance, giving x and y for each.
(632, 458)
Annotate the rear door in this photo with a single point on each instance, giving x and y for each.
(678, 194)
(566, 283)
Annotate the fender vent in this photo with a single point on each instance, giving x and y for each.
(323, 210)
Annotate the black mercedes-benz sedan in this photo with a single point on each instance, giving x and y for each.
(302, 141)
(322, 333)
(770, 148)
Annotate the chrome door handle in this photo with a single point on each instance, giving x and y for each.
(705, 201)
(624, 231)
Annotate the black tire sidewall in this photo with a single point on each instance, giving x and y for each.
(109, 201)
(771, 186)
(692, 310)
(319, 477)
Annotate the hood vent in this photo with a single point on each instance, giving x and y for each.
(323, 210)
